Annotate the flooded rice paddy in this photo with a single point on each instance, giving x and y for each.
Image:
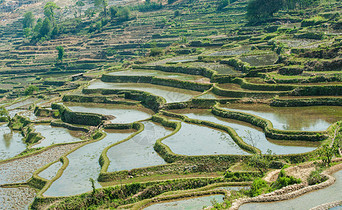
(194, 139)
(189, 204)
(138, 152)
(22, 103)
(312, 118)
(21, 170)
(51, 171)
(170, 94)
(16, 198)
(260, 60)
(11, 142)
(235, 51)
(122, 114)
(219, 68)
(161, 74)
(56, 135)
(83, 165)
(253, 135)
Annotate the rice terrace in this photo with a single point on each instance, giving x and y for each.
(171, 104)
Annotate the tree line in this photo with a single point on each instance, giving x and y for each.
(261, 10)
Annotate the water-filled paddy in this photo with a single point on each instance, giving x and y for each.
(122, 114)
(235, 188)
(137, 72)
(16, 198)
(219, 68)
(260, 60)
(137, 152)
(312, 118)
(29, 114)
(301, 43)
(235, 51)
(21, 170)
(56, 135)
(170, 94)
(194, 139)
(11, 143)
(253, 135)
(191, 203)
(21, 103)
(13, 112)
(83, 165)
(51, 171)
(306, 201)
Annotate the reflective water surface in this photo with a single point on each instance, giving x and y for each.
(83, 165)
(51, 171)
(11, 143)
(140, 72)
(194, 139)
(56, 135)
(170, 94)
(122, 114)
(137, 152)
(253, 135)
(188, 204)
(311, 118)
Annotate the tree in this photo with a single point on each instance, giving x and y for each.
(80, 4)
(123, 14)
(101, 4)
(60, 53)
(260, 10)
(90, 12)
(55, 31)
(46, 28)
(3, 111)
(327, 154)
(30, 90)
(113, 11)
(28, 20)
(260, 162)
(222, 4)
(49, 10)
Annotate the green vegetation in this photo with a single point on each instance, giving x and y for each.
(261, 10)
(30, 90)
(60, 56)
(283, 53)
(316, 177)
(260, 186)
(3, 114)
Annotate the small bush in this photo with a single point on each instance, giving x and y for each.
(156, 51)
(316, 177)
(284, 180)
(259, 187)
(30, 90)
(97, 135)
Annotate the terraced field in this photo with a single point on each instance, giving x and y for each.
(179, 107)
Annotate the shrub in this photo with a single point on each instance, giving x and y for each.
(284, 180)
(155, 51)
(316, 177)
(313, 21)
(30, 90)
(259, 186)
(97, 135)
